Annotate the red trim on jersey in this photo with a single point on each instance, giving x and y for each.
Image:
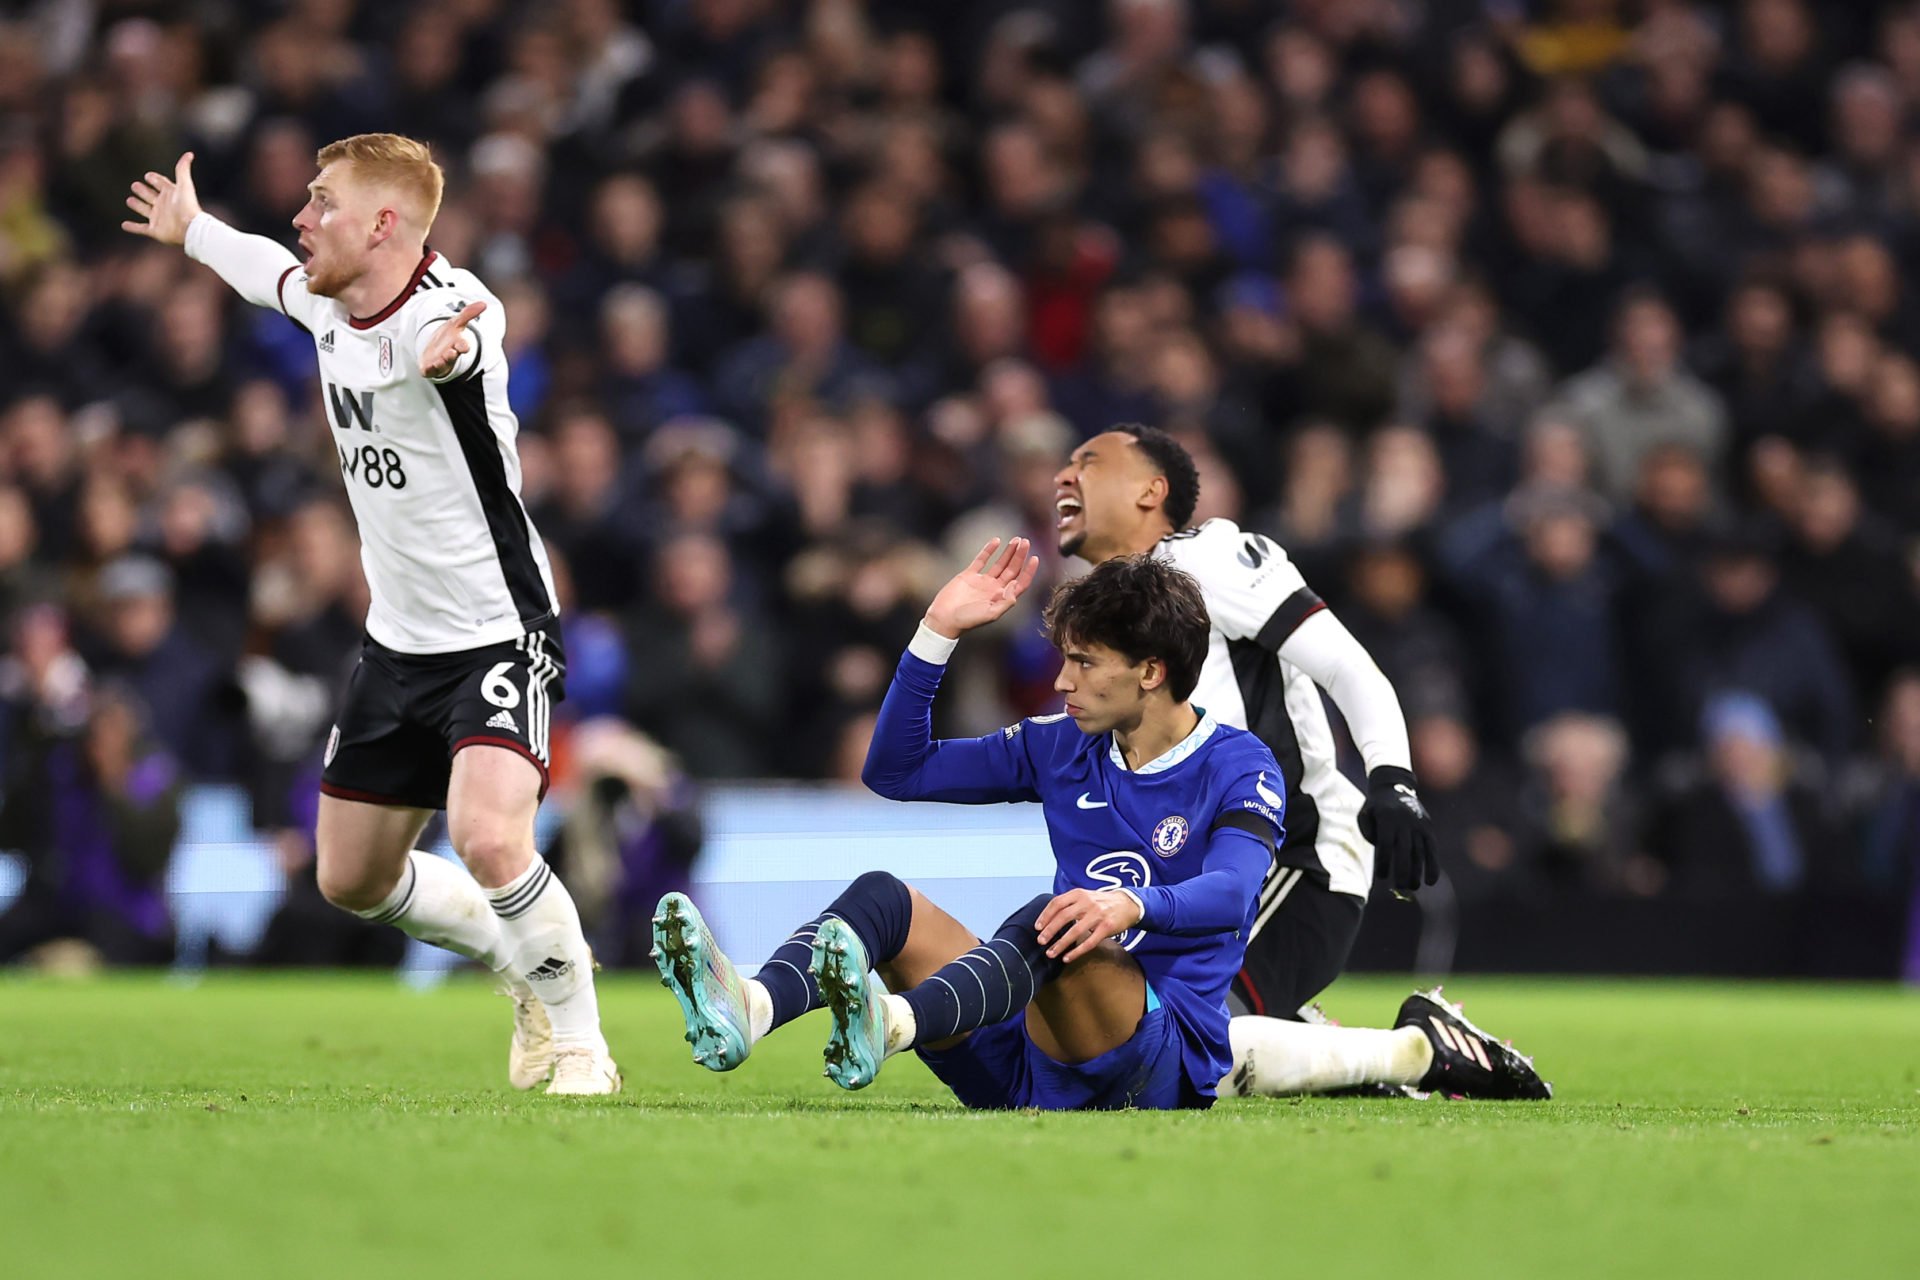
(1251, 993)
(479, 740)
(366, 797)
(426, 261)
(280, 289)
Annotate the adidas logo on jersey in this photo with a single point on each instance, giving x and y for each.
(549, 969)
(326, 343)
(503, 720)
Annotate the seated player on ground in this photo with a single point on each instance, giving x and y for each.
(1108, 992)
(1131, 491)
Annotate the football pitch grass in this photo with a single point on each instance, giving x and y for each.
(336, 1126)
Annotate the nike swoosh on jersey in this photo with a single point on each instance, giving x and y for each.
(1087, 802)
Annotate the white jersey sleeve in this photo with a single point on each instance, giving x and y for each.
(1322, 647)
(1253, 591)
(260, 270)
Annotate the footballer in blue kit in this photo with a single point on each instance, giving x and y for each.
(1111, 990)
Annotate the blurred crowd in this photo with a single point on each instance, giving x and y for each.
(1566, 344)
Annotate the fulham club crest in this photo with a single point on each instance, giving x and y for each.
(386, 355)
(1170, 836)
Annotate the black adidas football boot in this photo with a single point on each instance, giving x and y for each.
(1467, 1062)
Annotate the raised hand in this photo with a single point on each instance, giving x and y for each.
(166, 205)
(984, 590)
(449, 342)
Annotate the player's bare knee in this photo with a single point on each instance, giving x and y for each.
(494, 852)
(353, 888)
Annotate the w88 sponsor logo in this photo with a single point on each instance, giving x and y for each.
(374, 466)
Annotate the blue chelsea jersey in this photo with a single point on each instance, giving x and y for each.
(1191, 834)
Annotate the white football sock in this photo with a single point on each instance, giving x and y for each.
(540, 931)
(902, 1026)
(439, 903)
(759, 1011)
(1274, 1058)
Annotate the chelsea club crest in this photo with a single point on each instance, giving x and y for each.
(1170, 836)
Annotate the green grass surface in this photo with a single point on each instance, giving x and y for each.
(342, 1127)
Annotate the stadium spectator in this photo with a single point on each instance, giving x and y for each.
(1580, 824)
(22, 580)
(43, 456)
(1476, 813)
(1111, 383)
(1546, 597)
(804, 354)
(1848, 566)
(705, 678)
(202, 527)
(1886, 800)
(1888, 790)
(1759, 367)
(1743, 632)
(1344, 366)
(1747, 821)
(588, 513)
(1316, 480)
(94, 805)
(1642, 397)
(1888, 461)
(1476, 454)
(631, 834)
(640, 388)
(183, 685)
(851, 605)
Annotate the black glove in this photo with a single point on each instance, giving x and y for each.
(1395, 822)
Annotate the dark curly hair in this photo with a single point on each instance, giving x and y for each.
(1141, 608)
(1173, 461)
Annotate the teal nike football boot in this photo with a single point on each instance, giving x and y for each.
(711, 992)
(857, 1045)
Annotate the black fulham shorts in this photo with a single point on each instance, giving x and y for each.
(406, 715)
(1300, 949)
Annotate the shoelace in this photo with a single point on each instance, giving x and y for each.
(572, 1063)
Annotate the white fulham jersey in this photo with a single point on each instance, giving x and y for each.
(1256, 597)
(451, 558)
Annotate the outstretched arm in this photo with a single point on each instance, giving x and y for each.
(905, 761)
(254, 267)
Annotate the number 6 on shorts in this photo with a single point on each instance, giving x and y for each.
(497, 689)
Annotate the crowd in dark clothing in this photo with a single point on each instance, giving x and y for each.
(1566, 344)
